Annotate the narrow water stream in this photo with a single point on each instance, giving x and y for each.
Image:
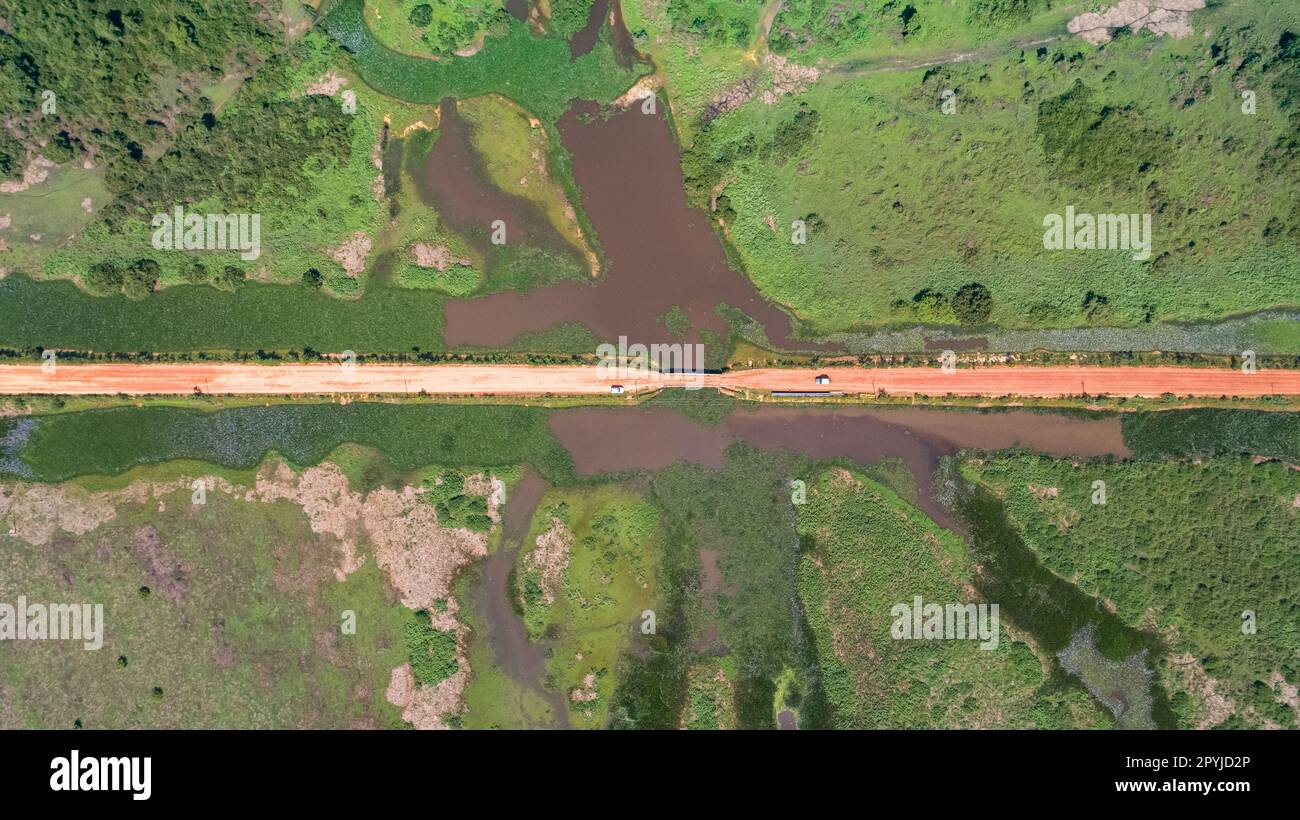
(521, 659)
(585, 40)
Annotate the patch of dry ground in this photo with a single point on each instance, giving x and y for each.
(1287, 695)
(775, 78)
(420, 557)
(432, 707)
(34, 512)
(786, 78)
(1041, 492)
(438, 257)
(353, 252)
(428, 707)
(1215, 707)
(642, 88)
(1160, 17)
(551, 557)
(34, 174)
(491, 488)
(327, 85)
(587, 692)
(325, 495)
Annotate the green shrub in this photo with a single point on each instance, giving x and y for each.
(421, 15)
(972, 304)
(432, 652)
(1204, 433)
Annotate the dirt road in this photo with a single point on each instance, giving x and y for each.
(284, 379)
(521, 380)
(1041, 382)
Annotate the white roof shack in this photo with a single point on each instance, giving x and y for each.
(616, 389)
(823, 379)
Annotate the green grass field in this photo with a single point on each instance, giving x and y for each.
(426, 29)
(108, 442)
(1206, 433)
(904, 204)
(300, 161)
(1181, 550)
(247, 635)
(866, 550)
(192, 318)
(604, 584)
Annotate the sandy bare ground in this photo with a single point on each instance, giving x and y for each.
(523, 380)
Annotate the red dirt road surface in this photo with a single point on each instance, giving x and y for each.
(522, 380)
(1037, 382)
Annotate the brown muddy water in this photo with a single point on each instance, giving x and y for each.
(456, 185)
(661, 252)
(620, 39)
(625, 50)
(518, 657)
(518, 9)
(652, 438)
(585, 40)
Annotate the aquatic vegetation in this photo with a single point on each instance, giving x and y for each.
(551, 81)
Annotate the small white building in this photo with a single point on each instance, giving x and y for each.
(616, 389)
(823, 379)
